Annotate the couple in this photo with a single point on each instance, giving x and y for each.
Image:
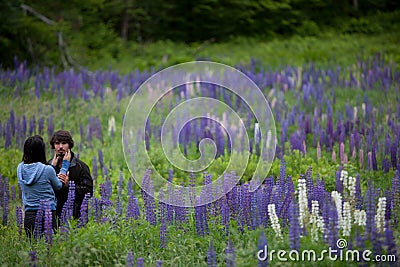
(41, 181)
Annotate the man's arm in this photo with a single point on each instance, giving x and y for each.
(86, 184)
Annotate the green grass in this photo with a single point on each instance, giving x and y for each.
(273, 54)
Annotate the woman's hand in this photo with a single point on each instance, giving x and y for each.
(67, 155)
(54, 162)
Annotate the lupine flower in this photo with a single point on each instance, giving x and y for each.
(68, 208)
(370, 208)
(48, 223)
(19, 219)
(33, 259)
(159, 263)
(94, 167)
(337, 199)
(230, 254)
(274, 220)
(316, 220)
(83, 220)
(294, 226)
(211, 256)
(38, 231)
(5, 201)
(262, 245)
(303, 201)
(140, 262)
(360, 217)
(163, 234)
(101, 159)
(130, 259)
(390, 240)
(347, 219)
(13, 193)
(147, 194)
(380, 214)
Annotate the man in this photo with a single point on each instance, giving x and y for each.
(78, 172)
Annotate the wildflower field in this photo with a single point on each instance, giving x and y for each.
(333, 184)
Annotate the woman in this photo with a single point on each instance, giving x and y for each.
(38, 180)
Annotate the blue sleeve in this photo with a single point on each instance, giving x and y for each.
(64, 167)
(54, 181)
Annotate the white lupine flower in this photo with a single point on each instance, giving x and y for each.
(347, 220)
(316, 220)
(351, 186)
(111, 125)
(380, 214)
(337, 198)
(303, 201)
(360, 217)
(343, 176)
(274, 220)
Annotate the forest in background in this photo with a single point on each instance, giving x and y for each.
(75, 33)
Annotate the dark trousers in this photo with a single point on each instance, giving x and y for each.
(30, 222)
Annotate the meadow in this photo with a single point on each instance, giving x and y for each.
(334, 177)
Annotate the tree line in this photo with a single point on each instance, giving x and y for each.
(43, 30)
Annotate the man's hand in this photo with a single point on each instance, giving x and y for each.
(64, 178)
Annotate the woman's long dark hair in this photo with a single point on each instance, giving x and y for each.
(34, 150)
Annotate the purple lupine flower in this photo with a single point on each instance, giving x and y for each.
(373, 158)
(370, 208)
(294, 226)
(200, 212)
(339, 184)
(12, 122)
(133, 210)
(147, 194)
(130, 186)
(13, 193)
(48, 223)
(159, 263)
(225, 215)
(101, 159)
(32, 125)
(83, 220)
(140, 262)
(393, 155)
(211, 256)
(33, 259)
(41, 125)
(118, 205)
(310, 186)
(38, 230)
(67, 210)
(332, 225)
(19, 219)
(262, 245)
(8, 135)
(130, 259)
(50, 125)
(96, 210)
(358, 196)
(94, 168)
(163, 234)
(230, 254)
(5, 201)
(390, 240)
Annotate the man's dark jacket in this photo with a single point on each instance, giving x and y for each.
(79, 173)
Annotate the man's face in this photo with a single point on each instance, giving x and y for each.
(61, 147)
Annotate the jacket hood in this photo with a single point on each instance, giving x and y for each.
(29, 173)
